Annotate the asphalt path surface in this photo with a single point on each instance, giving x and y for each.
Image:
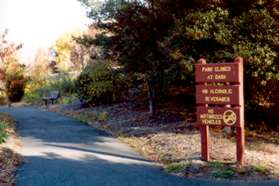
(63, 151)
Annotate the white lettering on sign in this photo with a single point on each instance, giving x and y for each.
(218, 77)
(211, 119)
(218, 99)
(227, 91)
(207, 69)
(227, 117)
(222, 69)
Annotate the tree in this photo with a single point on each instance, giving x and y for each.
(8, 51)
(162, 39)
(132, 37)
(226, 31)
(39, 71)
(133, 33)
(15, 84)
(99, 9)
(8, 55)
(12, 70)
(69, 55)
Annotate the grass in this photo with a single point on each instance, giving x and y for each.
(216, 164)
(175, 167)
(275, 139)
(220, 170)
(82, 117)
(7, 124)
(102, 116)
(86, 117)
(5, 118)
(261, 169)
(3, 132)
(227, 173)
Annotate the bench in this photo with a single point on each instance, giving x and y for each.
(51, 96)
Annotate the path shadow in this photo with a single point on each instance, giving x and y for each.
(90, 171)
(53, 128)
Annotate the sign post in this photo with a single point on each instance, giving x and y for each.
(220, 102)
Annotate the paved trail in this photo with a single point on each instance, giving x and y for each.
(62, 151)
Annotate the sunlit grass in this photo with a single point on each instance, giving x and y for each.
(260, 169)
(175, 167)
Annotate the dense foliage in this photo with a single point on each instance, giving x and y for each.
(219, 34)
(68, 54)
(163, 39)
(99, 83)
(64, 83)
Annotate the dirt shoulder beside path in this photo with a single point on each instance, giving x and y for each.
(9, 158)
(175, 143)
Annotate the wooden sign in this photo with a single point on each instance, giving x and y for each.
(219, 95)
(220, 102)
(218, 72)
(218, 116)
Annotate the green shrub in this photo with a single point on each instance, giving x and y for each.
(3, 132)
(68, 99)
(63, 83)
(99, 83)
(33, 97)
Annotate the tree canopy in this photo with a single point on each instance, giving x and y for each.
(163, 39)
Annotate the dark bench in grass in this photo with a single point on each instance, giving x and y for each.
(51, 96)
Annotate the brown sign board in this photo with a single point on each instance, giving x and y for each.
(218, 72)
(218, 116)
(220, 102)
(219, 95)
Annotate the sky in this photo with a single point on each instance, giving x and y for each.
(38, 23)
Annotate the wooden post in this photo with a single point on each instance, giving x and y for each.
(240, 145)
(240, 131)
(204, 142)
(204, 129)
(221, 105)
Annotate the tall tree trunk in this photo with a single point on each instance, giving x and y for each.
(151, 99)
(151, 93)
